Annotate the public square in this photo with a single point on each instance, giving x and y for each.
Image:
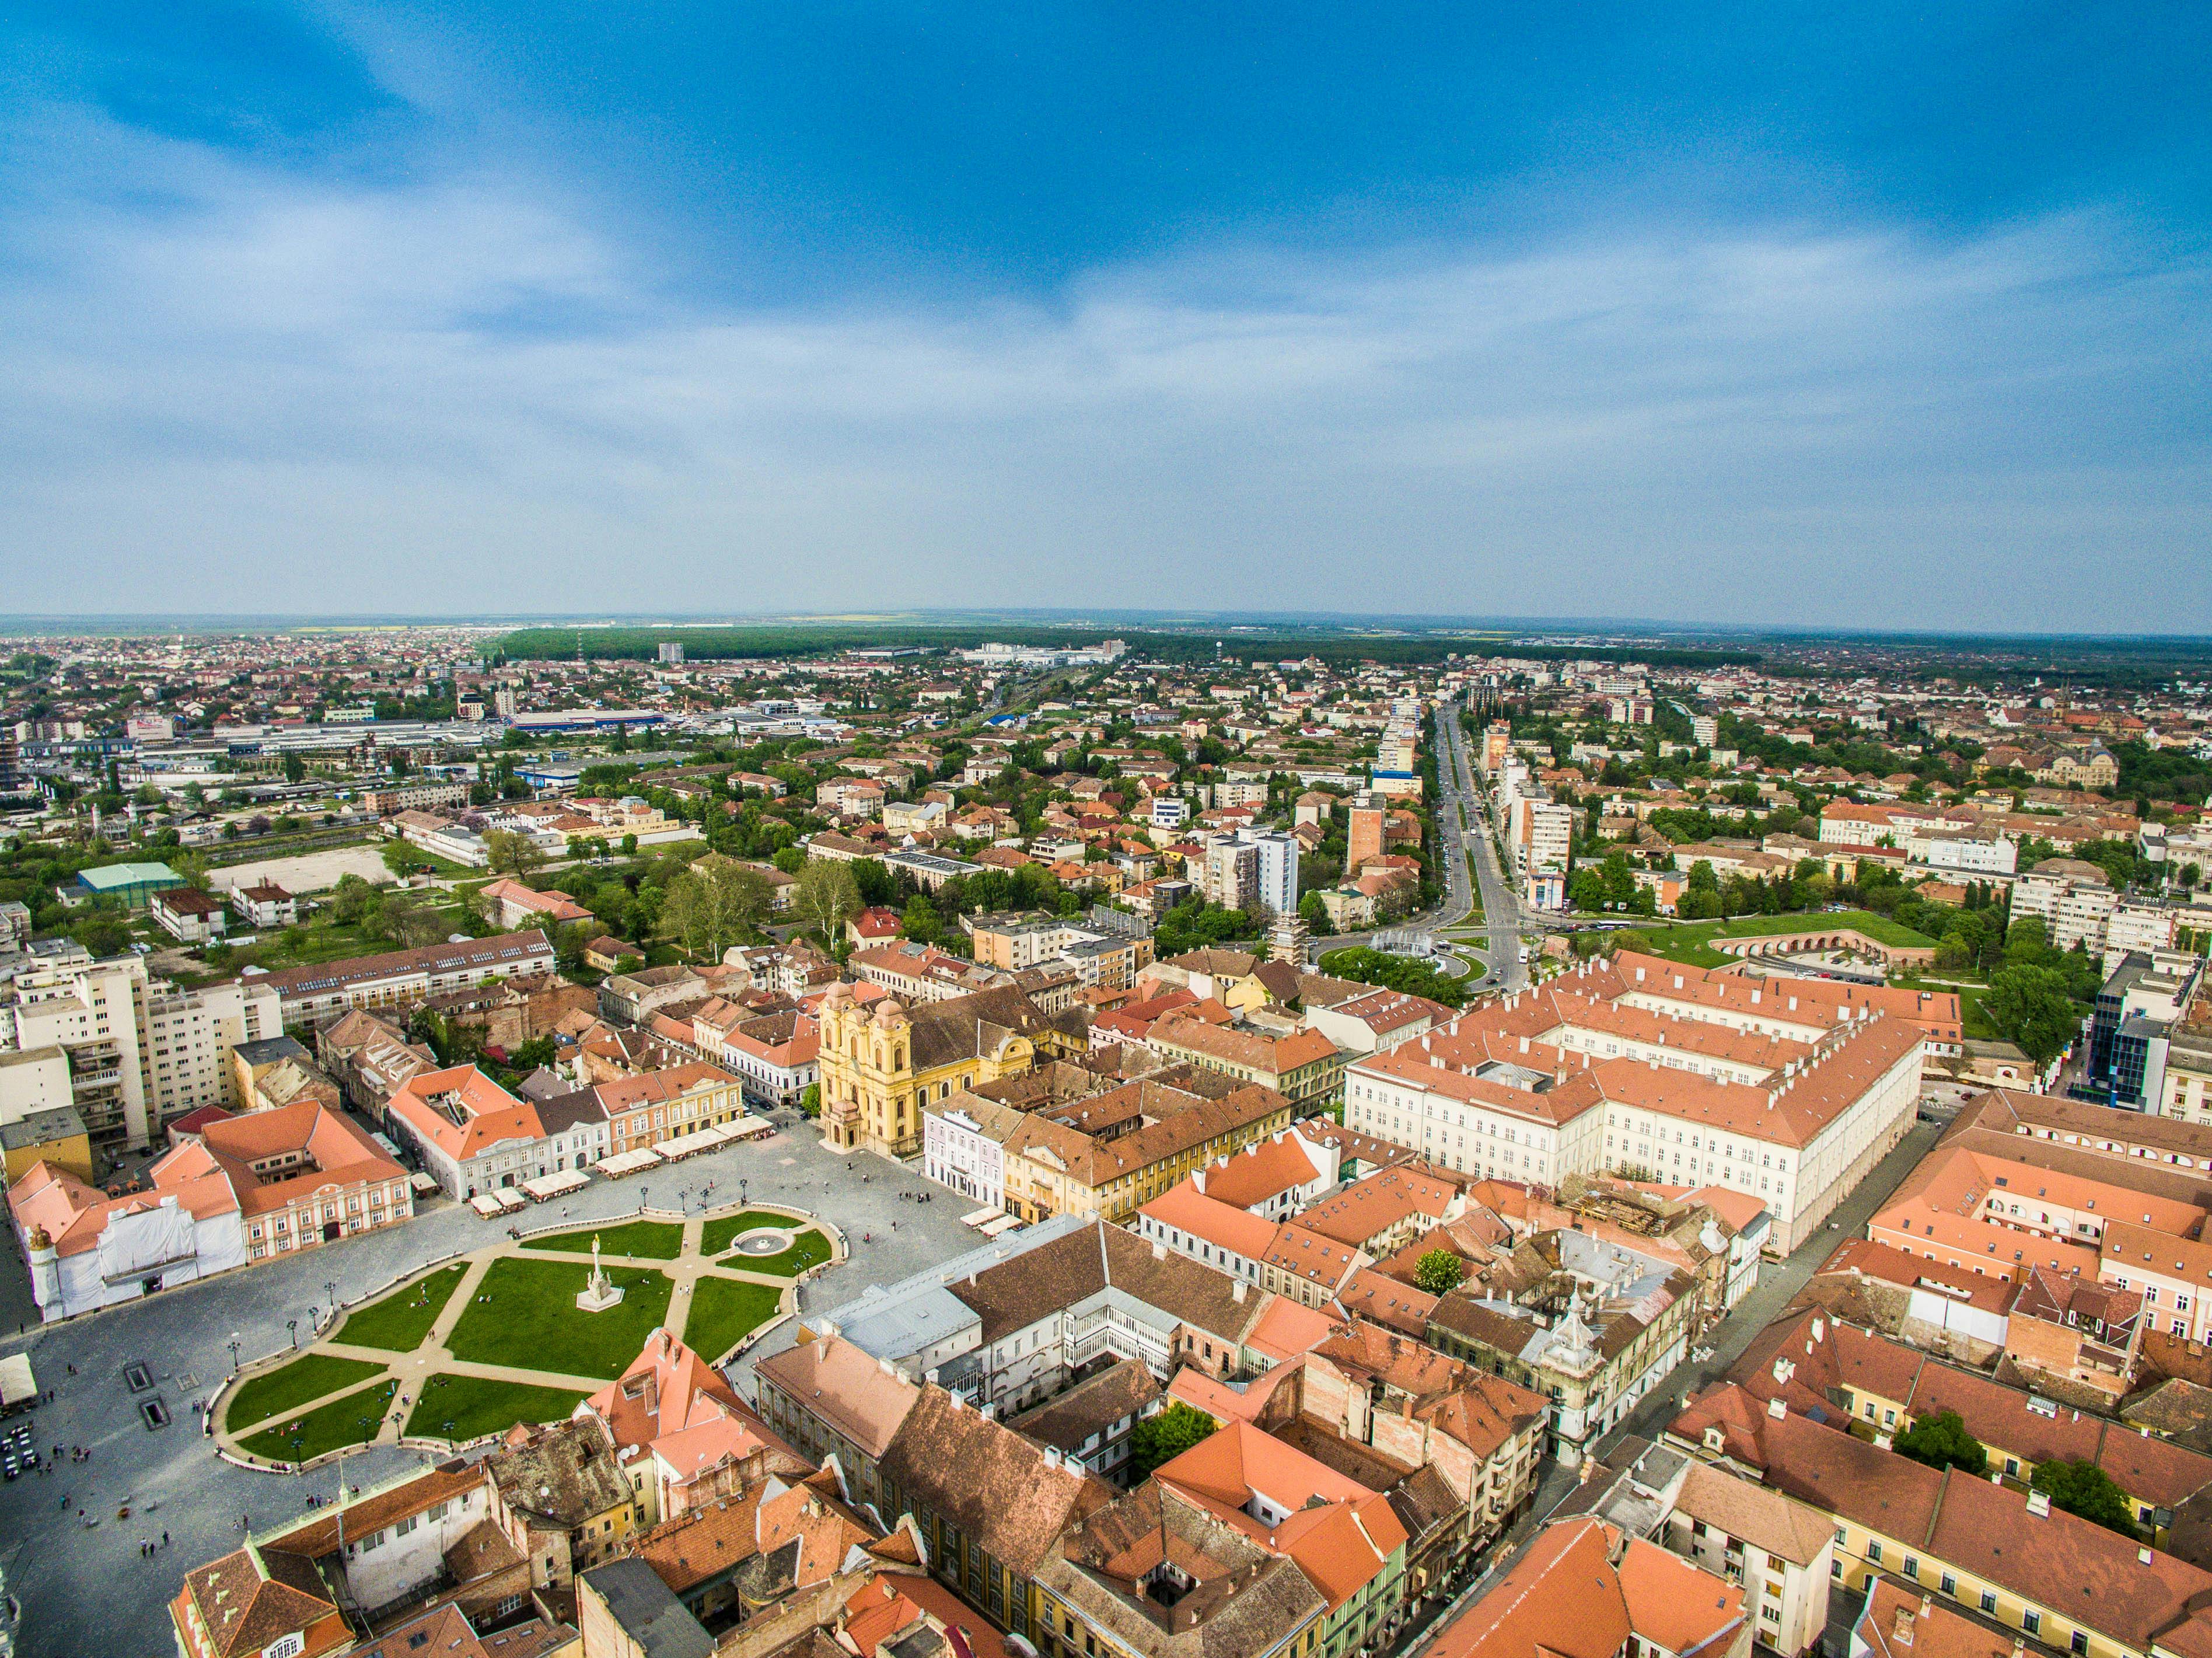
(170, 1476)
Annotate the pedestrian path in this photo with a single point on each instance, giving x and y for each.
(410, 1371)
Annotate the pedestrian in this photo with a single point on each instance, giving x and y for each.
(165, 1538)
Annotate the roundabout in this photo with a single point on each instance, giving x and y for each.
(519, 1331)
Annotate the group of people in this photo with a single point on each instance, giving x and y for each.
(148, 1547)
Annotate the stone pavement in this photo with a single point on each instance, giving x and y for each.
(432, 1356)
(71, 1579)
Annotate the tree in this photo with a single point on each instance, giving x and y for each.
(510, 853)
(1165, 1437)
(714, 905)
(296, 769)
(1438, 1272)
(2080, 1487)
(1314, 914)
(1941, 1440)
(810, 1100)
(921, 922)
(353, 900)
(403, 860)
(826, 895)
(2030, 1006)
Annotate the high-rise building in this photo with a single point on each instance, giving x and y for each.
(1276, 878)
(1287, 939)
(141, 1051)
(1232, 874)
(1364, 838)
(671, 651)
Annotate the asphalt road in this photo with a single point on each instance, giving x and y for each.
(1494, 963)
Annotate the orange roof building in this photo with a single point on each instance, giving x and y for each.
(682, 1437)
(1782, 1091)
(1584, 1589)
(1341, 1535)
(241, 1189)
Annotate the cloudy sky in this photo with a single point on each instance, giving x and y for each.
(1881, 316)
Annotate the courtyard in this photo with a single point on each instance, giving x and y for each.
(180, 1344)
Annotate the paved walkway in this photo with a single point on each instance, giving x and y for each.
(171, 1474)
(434, 1356)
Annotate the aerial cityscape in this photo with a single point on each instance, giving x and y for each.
(896, 831)
(913, 1134)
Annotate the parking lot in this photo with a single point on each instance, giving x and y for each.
(73, 1576)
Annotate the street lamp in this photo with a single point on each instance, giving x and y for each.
(291, 1332)
(233, 1345)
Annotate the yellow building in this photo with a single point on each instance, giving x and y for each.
(881, 1066)
(1114, 1152)
(55, 1135)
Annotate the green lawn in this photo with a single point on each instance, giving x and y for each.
(656, 1241)
(530, 1318)
(717, 1235)
(809, 1248)
(352, 1420)
(723, 1311)
(468, 1407)
(304, 1378)
(399, 1321)
(1693, 942)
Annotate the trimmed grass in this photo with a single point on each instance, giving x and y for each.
(724, 1311)
(717, 1236)
(1692, 942)
(809, 1248)
(531, 1319)
(352, 1420)
(468, 1407)
(400, 1321)
(309, 1376)
(656, 1240)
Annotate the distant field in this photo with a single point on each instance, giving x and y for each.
(308, 872)
(1693, 942)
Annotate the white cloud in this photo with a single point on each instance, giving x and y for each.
(466, 396)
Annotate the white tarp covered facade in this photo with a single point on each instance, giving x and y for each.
(157, 1247)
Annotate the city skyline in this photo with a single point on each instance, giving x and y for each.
(1755, 322)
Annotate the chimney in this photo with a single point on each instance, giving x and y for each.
(1777, 1408)
(1901, 1629)
(2038, 1504)
(1236, 1291)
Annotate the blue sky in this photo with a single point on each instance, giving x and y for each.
(1886, 316)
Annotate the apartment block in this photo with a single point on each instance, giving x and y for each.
(140, 1052)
